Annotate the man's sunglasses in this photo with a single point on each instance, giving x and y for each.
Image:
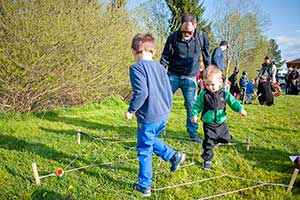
(188, 32)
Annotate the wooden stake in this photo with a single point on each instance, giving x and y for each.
(248, 143)
(36, 174)
(292, 181)
(78, 137)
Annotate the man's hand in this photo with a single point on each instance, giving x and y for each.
(194, 119)
(128, 115)
(243, 112)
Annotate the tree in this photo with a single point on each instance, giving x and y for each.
(275, 53)
(61, 53)
(238, 22)
(117, 4)
(152, 16)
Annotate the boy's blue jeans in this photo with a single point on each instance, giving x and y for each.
(148, 142)
(188, 86)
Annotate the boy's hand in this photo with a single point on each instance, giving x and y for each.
(128, 115)
(194, 119)
(243, 112)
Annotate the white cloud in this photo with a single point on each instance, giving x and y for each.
(291, 41)
(289, 46)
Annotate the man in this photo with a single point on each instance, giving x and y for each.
(268, 69)
(181, 54)
(217, 57)
(265, 78)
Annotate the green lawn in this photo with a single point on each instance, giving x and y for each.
(104, 165)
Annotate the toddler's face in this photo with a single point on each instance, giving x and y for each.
(213, 83)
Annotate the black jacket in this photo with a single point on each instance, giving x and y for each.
(182, 57)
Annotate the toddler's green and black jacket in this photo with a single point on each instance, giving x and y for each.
(213, 106)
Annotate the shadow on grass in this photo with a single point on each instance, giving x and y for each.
(110, 177)
(271, 129)
(120, 130)
(269, 159)
(49, 194)
(13, 143)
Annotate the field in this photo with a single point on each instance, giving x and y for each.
(104, 164)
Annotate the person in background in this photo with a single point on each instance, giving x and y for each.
(243, 82)
(218, 58)
(249, 91)
(234, 87)
(264, 92)
(268, 70)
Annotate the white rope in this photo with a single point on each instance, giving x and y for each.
(251, 180)
(234, 191)
(189, 183)
(167, 170)
(49, 175)
(260, 183)
(79, 155)
(117, 192)
(93, 165)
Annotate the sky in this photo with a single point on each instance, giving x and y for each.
(284, 28)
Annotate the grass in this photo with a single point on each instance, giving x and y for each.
(49, 139)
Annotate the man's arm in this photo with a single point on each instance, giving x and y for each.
(205, 50)
(274, 71)
(167, 52)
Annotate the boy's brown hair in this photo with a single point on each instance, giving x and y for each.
(143, 42)
(212, 70)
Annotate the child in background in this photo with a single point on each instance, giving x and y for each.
(234, 88)
(249, 91)
(151, 103)
(212, 103)
(243, 83)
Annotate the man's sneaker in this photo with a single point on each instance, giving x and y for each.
(146, 192)
(207, 165)
(176, 160)
(195, 139)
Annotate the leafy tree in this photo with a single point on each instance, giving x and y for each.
(238, 22)
(116, 4)
(61, 53)
(275, 53)
(152, 16)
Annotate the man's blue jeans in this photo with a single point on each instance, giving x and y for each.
(188, 86)
(148, 142)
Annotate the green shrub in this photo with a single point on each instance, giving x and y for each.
(61, 53)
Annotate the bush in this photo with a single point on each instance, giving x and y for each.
(61, 53)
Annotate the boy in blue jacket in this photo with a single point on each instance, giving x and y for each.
(212, 103)
(151, 103)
